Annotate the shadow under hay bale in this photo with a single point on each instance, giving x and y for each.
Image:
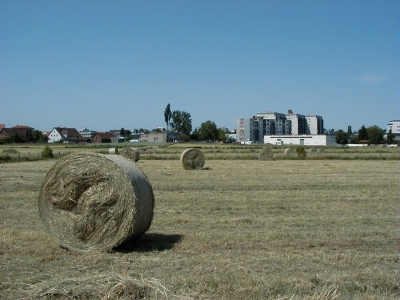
(113, 151)
(95, 202)
(130, 153)
(192, 159)
(266, 154)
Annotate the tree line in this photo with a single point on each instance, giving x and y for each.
(372, 135)
(181, 125)
(31, 136)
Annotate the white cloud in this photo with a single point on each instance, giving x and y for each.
(368, 78)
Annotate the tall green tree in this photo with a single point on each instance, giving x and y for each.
(122, 132)
(208, 131)
(375, 135)
(181, 124)
(29, 136)
(390, 138)
(222, 135)
(167, 116)
(362, 133)
(341, 137)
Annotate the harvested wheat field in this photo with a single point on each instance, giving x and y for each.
(239, 229)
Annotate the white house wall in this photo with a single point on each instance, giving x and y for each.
(54, 136)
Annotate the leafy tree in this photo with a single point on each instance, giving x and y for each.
(341, 137)
(349, 130)
(194, 136)
(390, 138)
(208, 131)
(167, 116)
(122, 132)
(29, 136)
(362, 133)
(36, 134)
(43, 138)
(127, 134)
(181, 124)
(222, 135)
(375, 135)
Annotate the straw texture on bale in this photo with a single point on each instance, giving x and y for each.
(113, 151)
(92, 201)
(192, 159)
(266, 154)
(290, 151)
(130, 153)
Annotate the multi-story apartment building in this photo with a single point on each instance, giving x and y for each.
(394, 126)
(296, 123)
(273, 123)
(315, 124)
(245, 129)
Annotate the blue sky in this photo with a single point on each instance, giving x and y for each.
(112, 64)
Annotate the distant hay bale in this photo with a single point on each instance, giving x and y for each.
(312, 151)
(130, 153)
(290, 151)
(93, 201)
(192, 159)
(266, 154)
(316, 151)
(113, 151)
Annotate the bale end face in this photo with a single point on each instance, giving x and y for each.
(95, 202)
(192, 159)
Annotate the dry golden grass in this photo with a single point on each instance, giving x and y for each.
(311, 229)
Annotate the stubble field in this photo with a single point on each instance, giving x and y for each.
(238, 229)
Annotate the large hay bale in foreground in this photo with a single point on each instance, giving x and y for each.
(266, 154)
(130, 153)
(192, 159)
(95, 202)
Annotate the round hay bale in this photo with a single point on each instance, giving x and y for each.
(130, 153)
(192, 159)
(290, 151)
(312, 151)
(113, 151)
(266, 154)
(93, 201)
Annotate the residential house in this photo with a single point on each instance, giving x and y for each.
(18, 130)
(156, 137)
(102, 137)
(64, 135)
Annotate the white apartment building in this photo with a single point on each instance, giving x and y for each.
(244, 130)
(87, 133)
(315, 124)
(297, 123)
(277, 124)
(394, 126)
